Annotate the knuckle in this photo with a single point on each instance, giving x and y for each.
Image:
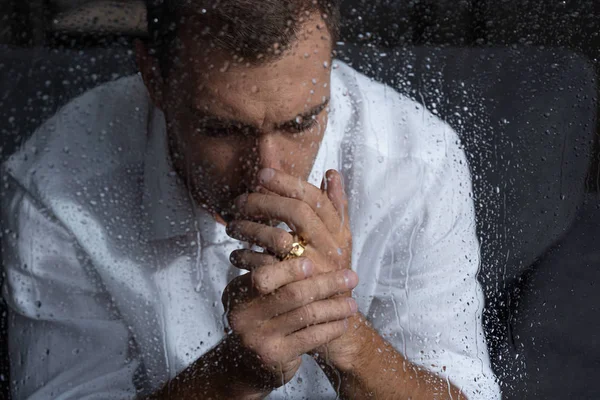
(263, 289)
(322, 198)
(250, 341)
(305, 315)
(304, 209)
(331, 285)
(268, 330)
(312, 337)
(282, 240)
(253, 197)
(260, 281)
(295, 294)
(344, 305)
(269, 352)
(339, 328)
(324, 201)
(340, 281)
(296, 269)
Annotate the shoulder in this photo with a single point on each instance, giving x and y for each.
(396, 133)
(93, 134)
(393, 124)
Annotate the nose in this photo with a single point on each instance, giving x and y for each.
(270, 151)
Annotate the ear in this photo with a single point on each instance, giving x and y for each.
(151, 73)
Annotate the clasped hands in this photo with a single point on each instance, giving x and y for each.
(282, 309)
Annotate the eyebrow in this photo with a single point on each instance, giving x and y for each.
(224, 122)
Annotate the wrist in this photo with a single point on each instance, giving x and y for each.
(353, 350)
(224, 369)
(214, 375)
(241, 382)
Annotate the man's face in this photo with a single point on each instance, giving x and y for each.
(228, 119)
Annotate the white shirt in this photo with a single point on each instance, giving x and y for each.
(114, 278)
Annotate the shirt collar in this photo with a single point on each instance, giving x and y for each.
(168, 203)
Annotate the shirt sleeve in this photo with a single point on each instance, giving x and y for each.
(66, 339)
(428, 302)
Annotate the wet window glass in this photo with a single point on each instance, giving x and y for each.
(307, 199)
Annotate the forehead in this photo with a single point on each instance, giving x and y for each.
(273, 91)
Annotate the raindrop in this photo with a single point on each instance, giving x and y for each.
(225, 67)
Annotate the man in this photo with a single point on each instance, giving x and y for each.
(134, 210)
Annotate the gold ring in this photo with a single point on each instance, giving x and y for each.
(296, 251)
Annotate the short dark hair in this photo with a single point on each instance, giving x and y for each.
(256, 30)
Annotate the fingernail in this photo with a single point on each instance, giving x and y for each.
(351, 279)
(307, 267)
(265, 175)
(352, 304)
(241, 201)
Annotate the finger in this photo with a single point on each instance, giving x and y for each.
(337, 196)
(274, 240)
(308, 339)
(300, 293)
(298, 215)
(315, 313)
(237, 291)
(290, 186)
(249, 260)
(268, 278)
(263, 190)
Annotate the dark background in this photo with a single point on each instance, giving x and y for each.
(531, 63)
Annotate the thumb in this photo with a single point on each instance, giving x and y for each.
(336, 193)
